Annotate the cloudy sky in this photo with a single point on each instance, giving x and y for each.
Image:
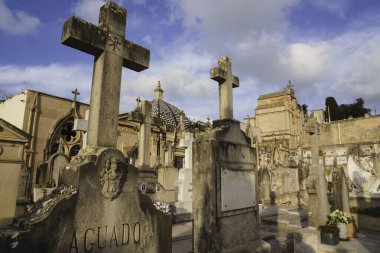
(325, 47)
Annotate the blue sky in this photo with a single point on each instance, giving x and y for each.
(326, 48)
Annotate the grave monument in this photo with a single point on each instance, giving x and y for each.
(316, 184)
(98, 207)
(340, 190)
(225, 206)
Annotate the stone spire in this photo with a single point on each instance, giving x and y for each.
(158, 92)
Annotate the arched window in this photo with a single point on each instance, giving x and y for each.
(66, 138)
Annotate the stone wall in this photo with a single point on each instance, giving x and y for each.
(349, 131)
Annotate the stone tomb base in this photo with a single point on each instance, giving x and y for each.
(225, 210)
(105, 212)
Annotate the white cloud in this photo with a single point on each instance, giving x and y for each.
(54, 79)
(88, 9)
(253, 34)
(147, 39)
(358, 65)
(336, 6)
(225, 19)
(16, 22)
(184, 78)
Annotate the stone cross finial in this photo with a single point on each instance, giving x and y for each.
(112, 52)
(223, 75)
(76, 93)
(158, 92)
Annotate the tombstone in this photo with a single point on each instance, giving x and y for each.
(225, 206)
(98, 207)
(340, 191)
(56, 163)
(316, 183)
(287, 184)
(168, 174)
(265, 188)
(184, 184)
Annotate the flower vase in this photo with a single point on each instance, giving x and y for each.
(329, 238)
(351, 230)
(342, 231)
(37, 194)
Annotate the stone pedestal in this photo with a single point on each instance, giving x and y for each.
(102, 212)
(184, 191)
(287, 186)
(312, 208)
(184, 183)
(167, 177)
(225, 206)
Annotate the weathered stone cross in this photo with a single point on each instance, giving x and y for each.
(112, 52)
(76, 93)
(223, 75)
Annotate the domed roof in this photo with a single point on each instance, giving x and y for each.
(168, 113)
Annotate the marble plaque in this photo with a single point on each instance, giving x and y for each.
(238, 189)
(329, 160)
(307, 153)
(329, 151)
(340, 160)
(341, 151)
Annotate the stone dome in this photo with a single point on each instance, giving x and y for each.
(168, 113)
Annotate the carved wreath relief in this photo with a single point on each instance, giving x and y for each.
(110, 178)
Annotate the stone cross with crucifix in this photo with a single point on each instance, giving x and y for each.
(112, 52)
(223, 75)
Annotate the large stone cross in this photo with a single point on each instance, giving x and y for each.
(112, 52)
(223, 75)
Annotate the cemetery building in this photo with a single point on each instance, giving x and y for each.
(351, 144)
(46, 119)
(13, 170)
(51, 121)
(278, 125)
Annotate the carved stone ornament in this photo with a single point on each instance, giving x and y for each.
(110, 178)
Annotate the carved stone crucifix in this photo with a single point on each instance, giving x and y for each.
(223, 75)
(112, 52)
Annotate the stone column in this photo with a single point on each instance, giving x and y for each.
(316, 182)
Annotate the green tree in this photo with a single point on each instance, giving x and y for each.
(344, 111)
(332, 107)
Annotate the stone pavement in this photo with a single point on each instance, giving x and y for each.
(283, 221)
(279, 223)
(280, 215)
(182, 237)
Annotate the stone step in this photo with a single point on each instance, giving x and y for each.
(182, 217)
(341, 247)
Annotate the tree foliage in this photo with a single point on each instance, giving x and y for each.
(344, 111)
